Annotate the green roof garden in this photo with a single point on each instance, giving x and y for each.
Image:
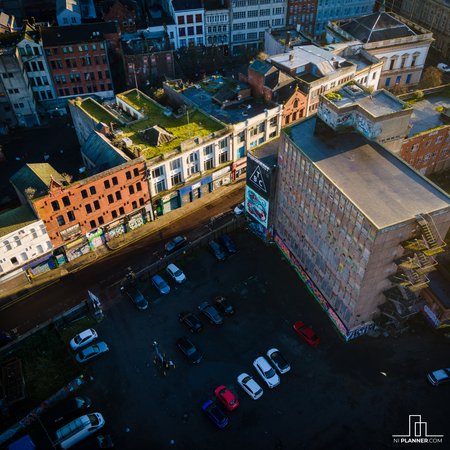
(96, 111)
(199, 125)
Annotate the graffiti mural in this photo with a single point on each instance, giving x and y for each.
(135, 221)
(114, 232)
(256, 206)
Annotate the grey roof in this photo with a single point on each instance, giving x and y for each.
(381, 185)
(182, 5)
(37, 176)
(16, 218)
(101, 153)
(77, 33)
(260, 66)
(376, 27)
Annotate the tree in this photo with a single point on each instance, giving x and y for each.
(431, 77)
(399, 90)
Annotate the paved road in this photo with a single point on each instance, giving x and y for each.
(72, 289)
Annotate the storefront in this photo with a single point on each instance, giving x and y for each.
(221, 177)
(77, 248)
(239, 168)
(115, 229)
(196, 190)
(95, 238)
(40, 266)
(136, 220)
(167, 203)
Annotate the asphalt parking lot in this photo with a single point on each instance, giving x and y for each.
(336, 396)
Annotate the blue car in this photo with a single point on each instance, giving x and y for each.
(160, 284)
(215, 414)
(217, 251)
(228, 243)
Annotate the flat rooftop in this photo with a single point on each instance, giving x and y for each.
(17, 218)
(383, 187)
(295, 37)
(379, 103)
(181, 129)
(267, 153)
(426, 115)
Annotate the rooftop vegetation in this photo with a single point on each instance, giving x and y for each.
(96, 111)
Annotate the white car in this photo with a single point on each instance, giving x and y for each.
(239, 209)
(83, 338)
(443, 67)
(176, 273)
(91, 352)
(266, 371)
(278, 360)
(250, 386)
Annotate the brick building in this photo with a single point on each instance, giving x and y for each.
(123, 15)
(70, 211)
(79, 58)
(428, 151)
(302, 13)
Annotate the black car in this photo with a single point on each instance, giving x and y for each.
(217, 251)
(224, 306)
(175, 244)
(191, 320)
(211, 313)
(189, 350)
(68, 408)
(135, 295)
(228, 243)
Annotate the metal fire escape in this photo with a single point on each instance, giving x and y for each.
(412, 270)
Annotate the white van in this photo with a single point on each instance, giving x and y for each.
(79, 429)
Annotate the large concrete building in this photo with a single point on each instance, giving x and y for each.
(360, 225)
(402, 45)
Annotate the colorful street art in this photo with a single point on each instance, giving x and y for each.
(256, 206)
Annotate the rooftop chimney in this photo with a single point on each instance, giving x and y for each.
(291, 56)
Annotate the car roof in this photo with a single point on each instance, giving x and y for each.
(442, 374)
(252, 385)
(87, 332)
(172, 266)
(262, 362)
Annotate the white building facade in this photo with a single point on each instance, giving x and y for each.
(217, 27)
(68, 12)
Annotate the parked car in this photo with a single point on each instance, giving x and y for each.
(306, 333)
(228, 243)
(217, 416)
(278, 360)
(91, 352)
(443, 67)
(217, 251)
(439, 376)
(68, 407)
(211, 313)
(250, 386)
(175, 244)
(160, 284)
(189, 350)
(239, 209)
(135, 295)
(176, 273)
(224, 305)
(79, 429)
(191, 320)
(83, 338)
(226, 397)
(266, 371)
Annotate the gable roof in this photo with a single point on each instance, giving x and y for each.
(15, 219)
(260, 66)
(37, 176)
(101, 153)
(157, 135)
(70, 5)
(376, 27)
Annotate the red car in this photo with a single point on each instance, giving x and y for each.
(226, 397)
(306, 333)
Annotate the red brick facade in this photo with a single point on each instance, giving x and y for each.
(71, 211)
(124, 17)
(294, 108)
(303, 13)
(428, 152)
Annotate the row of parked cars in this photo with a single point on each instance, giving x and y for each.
(81, 340)
(223, 246)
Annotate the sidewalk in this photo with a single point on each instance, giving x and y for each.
(19, 287)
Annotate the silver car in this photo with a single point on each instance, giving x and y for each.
(91, 352)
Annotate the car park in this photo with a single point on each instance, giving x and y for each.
(176, 273)
(83, 338)
(91, 352)
(189, 350)
(278, 360)
(228, 243)
(253, 389)
(135, 295)
(443, 67)
(191, 320)
(266, 371)
(211, 313)
(67, 408)
(224, 305)
(226, 397)
(239, 209)
(175, 244)
(160, 284)
(217, 251)
(306, 333)
(439, 376)
(216, 415)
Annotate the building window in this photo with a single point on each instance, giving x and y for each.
(134, 204)
(114, 213)
(84, 193)
(101, 220)
(136, 172)
(66, 200)
(110, 199)
(96, 204)
(209, 164)
(388, 82)
(7, 245)
(131, 189)
(138, 186)
(93, 224)
(141, 201)
(397, 80)
(128, 175)
(121, 211)
(114, 181)
(55, 205)
(88, 208)
(14, 261)
(159, 186)
(176, 178)
(60, 220)
(107, 184)
(17, 241)
(33, 233)
(408, 78)
(70, 216)
(118, 195)
(223, 157)
(23, 256)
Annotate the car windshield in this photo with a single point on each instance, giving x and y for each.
(77, 339)
(190, 350)
(178, 273)
(93, 419)
(279, 360)
(270, 373)
(246, 379)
